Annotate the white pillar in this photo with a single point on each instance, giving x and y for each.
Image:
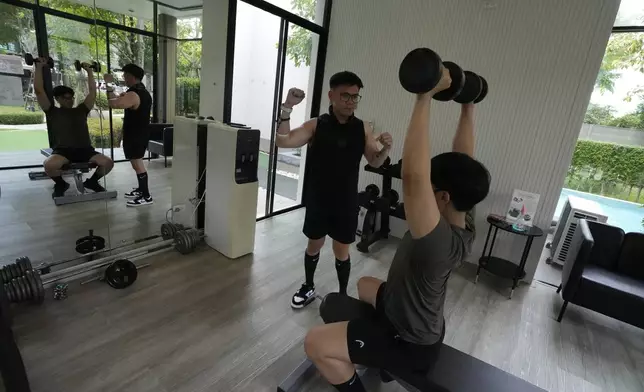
(213, 58)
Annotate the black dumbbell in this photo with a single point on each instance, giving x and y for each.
(421, 70)
(372, 191)
(30, 60)
(94, 65)
(393, 198)
(400, 210)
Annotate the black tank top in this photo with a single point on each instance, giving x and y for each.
(137, 120)
(333, 163)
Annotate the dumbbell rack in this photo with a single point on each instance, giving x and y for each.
(382, 205)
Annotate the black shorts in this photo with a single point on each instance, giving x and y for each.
(374, 342)
(76, 155)
(338, 222)
(134, 146)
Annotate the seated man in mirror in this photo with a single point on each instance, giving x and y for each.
(68, 125)
(407, 328)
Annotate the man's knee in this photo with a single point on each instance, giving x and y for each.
(314, 246)
(340, 250)
(313, 343)
(52, 164)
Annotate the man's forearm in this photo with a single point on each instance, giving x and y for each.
(379, 158)
(417, 146)
(284, 127)
(39, 85)
(91, 82)
(464, 139)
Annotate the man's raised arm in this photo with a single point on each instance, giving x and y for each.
(464, 138)
(421, 210)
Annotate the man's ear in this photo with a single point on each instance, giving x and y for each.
(330, 94)
(444, 197)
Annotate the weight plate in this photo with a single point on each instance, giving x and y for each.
(471, 89)
(7, 290)
(420, 71)
(167, 231)
(458, 81)
(23, 288)
(483, 93)
(14, 271)
(393, 197)
(181, 242)
(18, 264)
(3, 275)
(373, 190)
(17, 289)
(121, 274)
(5, 304)
(14, 292)
(27, 287)
(32, 285)
(41, 289)
(26, 264)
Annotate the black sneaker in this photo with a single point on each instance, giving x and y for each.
(140, 201)
(93, 185)
(304, 296)
(135, 194)
(59, 190)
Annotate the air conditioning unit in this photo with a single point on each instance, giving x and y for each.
(575, 208)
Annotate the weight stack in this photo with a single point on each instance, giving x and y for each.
(232, 185)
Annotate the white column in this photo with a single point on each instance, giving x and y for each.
(213, 58)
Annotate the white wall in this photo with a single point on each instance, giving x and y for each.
(213, 58)
(540, 59)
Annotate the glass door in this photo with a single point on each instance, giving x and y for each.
(257, 34)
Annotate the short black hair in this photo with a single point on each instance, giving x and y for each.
(465, 179)
(62, 90)
(134, 70)
(345, 78)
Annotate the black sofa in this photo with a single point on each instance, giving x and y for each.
(607, 275)
(161, 141)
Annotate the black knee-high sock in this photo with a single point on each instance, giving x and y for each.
(143, 183)
(310, 264)
(353, 385)
(343, 268)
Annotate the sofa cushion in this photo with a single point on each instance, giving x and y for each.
(605, 280)
(631, 257)
(608, 242)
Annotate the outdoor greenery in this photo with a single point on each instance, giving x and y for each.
(101, 136)
(17, 115)
(300, 40)
(625, 51)
(607, 169)
(187, 95)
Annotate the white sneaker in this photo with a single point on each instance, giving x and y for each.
(136, 193)
(140, 201)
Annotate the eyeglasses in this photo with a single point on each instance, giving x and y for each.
(355, 98)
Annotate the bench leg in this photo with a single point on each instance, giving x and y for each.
(562, 311)
(78, 178)
(559, 288)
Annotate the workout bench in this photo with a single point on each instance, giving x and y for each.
(76, 170)
(452, 370)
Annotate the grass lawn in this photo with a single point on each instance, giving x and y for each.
(11, 109)
(11, 140)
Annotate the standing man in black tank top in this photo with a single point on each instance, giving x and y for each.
(137, 103)
(337, 141)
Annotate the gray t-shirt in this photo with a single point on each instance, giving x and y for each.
(414, 296)
(69, 126)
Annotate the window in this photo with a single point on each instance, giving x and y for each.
(133, 13)
(312, 10)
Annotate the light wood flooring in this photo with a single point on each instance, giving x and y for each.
(32, 225)
(205, 323)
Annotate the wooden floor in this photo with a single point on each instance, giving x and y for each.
(205, 323)
(32, 225)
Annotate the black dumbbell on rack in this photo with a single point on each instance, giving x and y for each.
(421, 70)
(93, 65)
(30, 60)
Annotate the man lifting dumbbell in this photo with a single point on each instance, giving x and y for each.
(337, 141)
(405, 331)
(137, 103)
(68, 125)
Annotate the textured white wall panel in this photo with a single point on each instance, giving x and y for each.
(540, 59)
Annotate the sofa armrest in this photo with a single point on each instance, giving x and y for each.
(571, 275)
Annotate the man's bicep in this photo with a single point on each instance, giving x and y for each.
(421, 210)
